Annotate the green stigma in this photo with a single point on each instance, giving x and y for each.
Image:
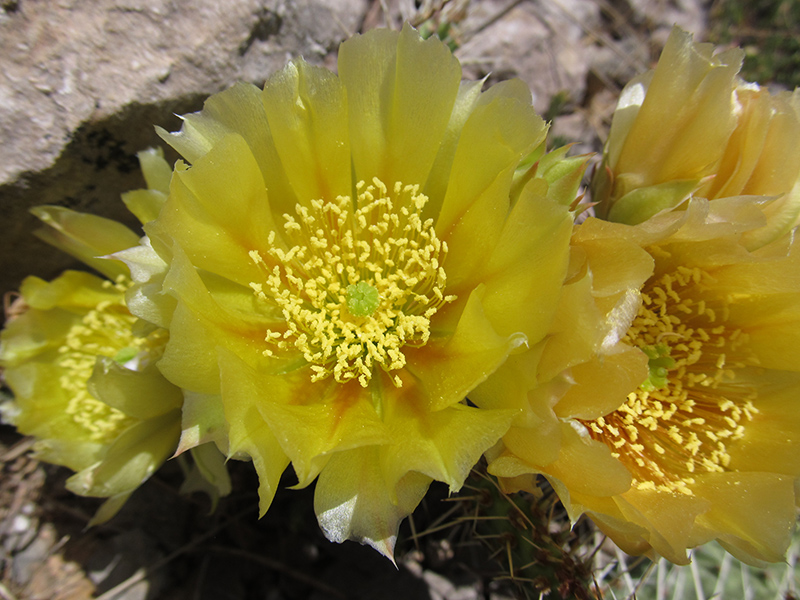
(362, 299)
(126, 354)
(660, 363)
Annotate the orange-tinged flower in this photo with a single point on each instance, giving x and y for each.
(681, 427)
(692, 127)
(345, 259)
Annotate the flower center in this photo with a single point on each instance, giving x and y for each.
(362, 299)
(103, 331)
(356, 283)
(693, 404)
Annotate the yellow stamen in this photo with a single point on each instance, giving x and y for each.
(355, 284)
(666, 433)
(103, 331)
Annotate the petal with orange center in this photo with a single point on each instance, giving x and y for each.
(443, 445)
(313, 421)
(449, 369)
(200, 324)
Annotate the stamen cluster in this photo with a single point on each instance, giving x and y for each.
(680, 420)
(103, 331)
(357, 282)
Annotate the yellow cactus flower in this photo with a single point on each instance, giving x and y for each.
(344, 260)
(82, 367)
(692, 127)
(86, 386)
(681, 427)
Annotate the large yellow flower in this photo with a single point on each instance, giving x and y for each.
(82, 367)
(682, 426)
(345, 259)
(691, 126)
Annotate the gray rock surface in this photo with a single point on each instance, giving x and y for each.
(82, 83)
(543, 42)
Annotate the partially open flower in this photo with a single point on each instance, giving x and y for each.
(692, 127)
(86, 386)
(82, 367)
(682, 427)
(347, 257)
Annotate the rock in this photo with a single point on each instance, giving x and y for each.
(82, 83)
(543, 43)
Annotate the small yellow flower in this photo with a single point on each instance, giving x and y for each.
(692, 127)
(682, 426)
(345, 259)
(82, 367)
(87, 388)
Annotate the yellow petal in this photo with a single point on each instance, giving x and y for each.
(668, 519)
(398, 111)
(352, 500)
(586, 466)
(202, 421)
(617, 374)
(764, 533)
(309, 421)
(86, 237)
(142, 394)
(448, 371)
(443, 445)
(306, 108)
(131, 459)
(495, 138)
(219, 211)
(525, 272)
(248, 434)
